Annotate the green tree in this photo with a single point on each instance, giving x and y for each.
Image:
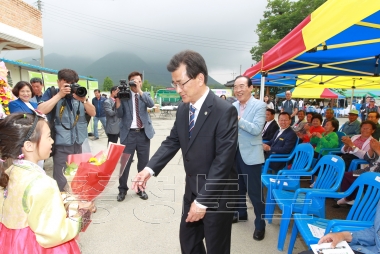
(107, 84)
(280, 17)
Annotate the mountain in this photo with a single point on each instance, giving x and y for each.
(116, 65)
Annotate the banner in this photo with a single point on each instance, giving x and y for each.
(50, 79)
(83, 83)
(33, 74)
(219, 92)
(92, 85)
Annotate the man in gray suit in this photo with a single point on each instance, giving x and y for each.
(112, 121)
(136, 130)
(249, 155)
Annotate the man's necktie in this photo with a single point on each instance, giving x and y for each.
(191, 121)
(138, 119)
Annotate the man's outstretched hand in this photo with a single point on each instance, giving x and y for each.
(139, 183)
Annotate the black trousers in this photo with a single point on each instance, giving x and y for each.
(136, 141)
(348, 158)
(250, 181)
(113, 137)
(215, 228)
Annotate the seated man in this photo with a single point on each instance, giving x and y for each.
(362, 241)
(374, 117)
(329, 116)
(283, 141)
(270, 126)
(352, 126)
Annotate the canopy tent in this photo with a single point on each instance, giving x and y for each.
(276, 80)
(339, 38)
(313, 93)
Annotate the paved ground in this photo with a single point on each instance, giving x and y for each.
(151, 226)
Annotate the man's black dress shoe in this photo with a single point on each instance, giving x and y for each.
(121, 196)
(142, 195)
(258, 235)
(236, 218)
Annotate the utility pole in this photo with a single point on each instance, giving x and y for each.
(240, 69)
(233, 74)
(42, 62)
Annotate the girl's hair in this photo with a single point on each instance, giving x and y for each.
(15, 129)
(268, 99)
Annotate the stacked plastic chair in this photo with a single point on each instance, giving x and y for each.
(301, 159)
(330, 174)
(360, 216)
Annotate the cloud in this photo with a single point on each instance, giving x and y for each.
(222, 31)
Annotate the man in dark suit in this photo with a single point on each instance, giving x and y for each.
(270, 126)
(283, 141)
(136, 130)
(206, 131)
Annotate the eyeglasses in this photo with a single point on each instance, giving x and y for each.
(239, 87)
(179, 85)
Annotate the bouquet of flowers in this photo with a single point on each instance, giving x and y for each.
(89, 175)
(5, 91)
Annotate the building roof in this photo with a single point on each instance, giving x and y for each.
(38, 68)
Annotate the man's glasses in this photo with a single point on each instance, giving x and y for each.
(239, 87)
(179, 85)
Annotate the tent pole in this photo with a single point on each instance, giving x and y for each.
(352, 94)
(262, 86)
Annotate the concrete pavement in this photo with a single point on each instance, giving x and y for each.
(152, 226)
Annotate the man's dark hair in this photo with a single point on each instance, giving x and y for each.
(375, 112)
(317, 116)
(249, 81)
(36, 80)
(70, 76)
(271, 111)
(113, 89)
(135, 73)
(334, 123)
(310, 113)
(194, 62)
(285, 113)
(96, 90)
(373, 125)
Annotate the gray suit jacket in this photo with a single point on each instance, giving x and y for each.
(112, 122)
(125, 112)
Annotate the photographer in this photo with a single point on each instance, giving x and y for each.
(136, 128)
(70, 125)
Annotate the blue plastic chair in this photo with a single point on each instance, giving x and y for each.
(302, 157)
(330, 174)
(361, 214)
(266, 167)
(355, 164)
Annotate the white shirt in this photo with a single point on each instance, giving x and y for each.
(280, 132)
(134, 122)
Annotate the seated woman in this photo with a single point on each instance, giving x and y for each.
(35, 217)
(356, 146)
(328, 139)
(23, 91)
(316, 122)
(373, 157)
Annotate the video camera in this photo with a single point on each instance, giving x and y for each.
(77, 89)
(125, 89)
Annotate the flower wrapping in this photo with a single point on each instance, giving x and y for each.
(92, 174)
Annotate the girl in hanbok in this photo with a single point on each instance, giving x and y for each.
(34, 218)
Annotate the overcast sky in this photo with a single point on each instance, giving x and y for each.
(222, 31)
